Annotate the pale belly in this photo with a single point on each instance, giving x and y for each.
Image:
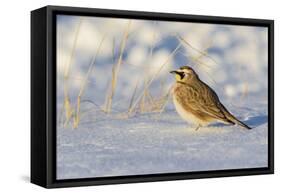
(187, 116)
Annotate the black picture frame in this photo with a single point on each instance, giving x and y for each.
(43, 96)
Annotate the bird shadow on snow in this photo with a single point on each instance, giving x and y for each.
(257, 120)
(254, 121)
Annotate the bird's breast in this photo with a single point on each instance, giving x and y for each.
(187, 115)
(183, 110)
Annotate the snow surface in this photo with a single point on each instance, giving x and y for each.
(153, 143)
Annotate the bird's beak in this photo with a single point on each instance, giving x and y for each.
(173, 72)
(177, 72)
(179, 75)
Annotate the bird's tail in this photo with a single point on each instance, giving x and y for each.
(234, 120)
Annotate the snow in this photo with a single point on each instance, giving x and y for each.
(152, 143)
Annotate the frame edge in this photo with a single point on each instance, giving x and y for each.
(38, 98)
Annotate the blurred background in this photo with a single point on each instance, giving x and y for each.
(122, 65)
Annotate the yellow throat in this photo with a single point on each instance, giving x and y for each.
(178, 77)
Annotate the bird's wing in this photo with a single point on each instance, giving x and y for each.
(203, 99)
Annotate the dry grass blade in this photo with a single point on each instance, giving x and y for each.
(197, 50)
(116, 68)
(68, 109)
(97, 108)
(146, 94)
(67, 105)
(70, 62)
(155, 75)
(83, 85)
(132, 98)
(166, 99)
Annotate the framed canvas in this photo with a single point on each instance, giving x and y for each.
(126, 96)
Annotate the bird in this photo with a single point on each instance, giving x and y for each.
(198, 103)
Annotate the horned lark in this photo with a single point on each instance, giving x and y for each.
(196, 102)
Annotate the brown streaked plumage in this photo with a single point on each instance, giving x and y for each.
(196, 102)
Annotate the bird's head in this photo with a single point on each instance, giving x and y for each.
(184, 74)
